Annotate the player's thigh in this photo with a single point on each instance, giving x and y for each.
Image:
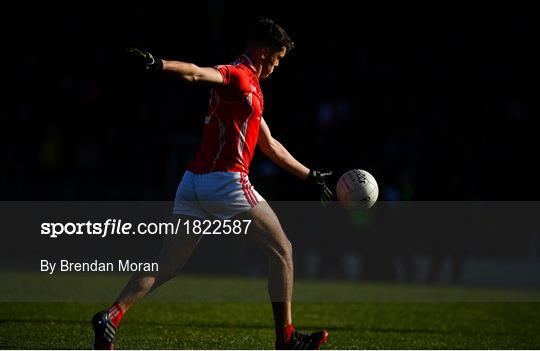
(176, 248)
(266, 228)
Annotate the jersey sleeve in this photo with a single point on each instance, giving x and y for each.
(231, 74)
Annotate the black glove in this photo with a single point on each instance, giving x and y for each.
(149, 62)
(319, 178)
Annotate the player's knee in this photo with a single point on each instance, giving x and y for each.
(288, 248)
(284, 251)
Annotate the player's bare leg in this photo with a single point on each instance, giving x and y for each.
(268, 231)
(175, 251)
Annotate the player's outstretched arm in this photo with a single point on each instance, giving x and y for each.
(276, 152)
(193, 73)
(187, 71)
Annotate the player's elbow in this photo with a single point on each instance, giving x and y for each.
(270, 147)
(192, 74)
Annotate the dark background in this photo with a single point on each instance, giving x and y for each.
(438, 102)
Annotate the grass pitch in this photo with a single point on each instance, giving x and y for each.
(40, 312)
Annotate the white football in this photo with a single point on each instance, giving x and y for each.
(357, 189)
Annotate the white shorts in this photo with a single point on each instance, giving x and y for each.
(219, 194)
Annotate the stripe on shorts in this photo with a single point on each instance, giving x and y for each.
(248, 191)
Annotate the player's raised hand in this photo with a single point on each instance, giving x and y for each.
(319, 178)
(146, 60)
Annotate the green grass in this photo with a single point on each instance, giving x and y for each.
(230, 313)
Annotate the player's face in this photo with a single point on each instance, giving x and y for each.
(272, 61)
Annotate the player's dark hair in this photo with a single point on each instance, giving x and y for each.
(270, 33)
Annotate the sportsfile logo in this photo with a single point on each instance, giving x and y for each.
(102, 229)
(118, 227)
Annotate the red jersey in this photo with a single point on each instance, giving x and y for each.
(231, 127)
